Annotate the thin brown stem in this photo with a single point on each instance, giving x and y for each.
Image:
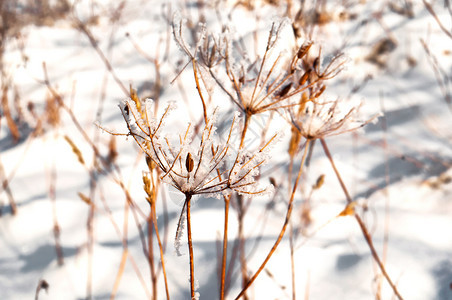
(361, 224)
(243, 267)
(333, 165)
(198, 88)
(82, 27)
(7, 189)
(225, 246)
(154, 278)
(56, 227)
(292, 261)
(245, 128)
(283, 229)
(162, 260)
(190, 246)
(90, 233)
(432, 12)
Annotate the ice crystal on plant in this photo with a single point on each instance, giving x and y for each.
(322, 118)
(194, 166)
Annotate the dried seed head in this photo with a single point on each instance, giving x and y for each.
(75, 149)
(304, 78)
(112, 151)
(316, 64)
(320, 92)
(294, 142)
(148, 186)
(284, 90)
(273, 181)
(319, 182)
(349, 210)
(85, 198)
(189, 163)
(150, 163)
(304, 49)
(302, 104)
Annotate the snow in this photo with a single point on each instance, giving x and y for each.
(397, 168)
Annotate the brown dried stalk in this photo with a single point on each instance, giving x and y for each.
(7, 189)
(151, 190)
(366, 234)
(284, 227)
(440, 24)
(15, 133)
(192, 171)
(56, 227)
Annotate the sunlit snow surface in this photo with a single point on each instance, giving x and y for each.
(399, 176)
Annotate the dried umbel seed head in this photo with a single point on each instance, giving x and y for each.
(214, 174)
(189, 163)
(326, 118)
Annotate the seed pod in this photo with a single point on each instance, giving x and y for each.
(349, 210)
(273, 181)
(320, 92)
(75, 149)
(150, 163)
(85, 198)
(296, 31)
(189, 163)
(304, 78)
(316, 64)
(212, 54)
(304, 49)
(284, 90)
(319, 182)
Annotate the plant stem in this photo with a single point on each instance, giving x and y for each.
(225, 246)
(245, 128)
(283, 229)
(292, 261)
(156, 228)
(190, 246)
(242, 258)
(198, 88)
(361, 224)
(151, 257)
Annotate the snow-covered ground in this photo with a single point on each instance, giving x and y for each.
(61, 91)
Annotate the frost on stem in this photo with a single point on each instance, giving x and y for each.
(179, 232)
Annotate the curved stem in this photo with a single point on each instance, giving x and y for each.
(198, 88)
(361, 224)
(283, 229)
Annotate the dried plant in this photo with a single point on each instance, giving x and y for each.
(280, 79)
(192, 169)
(320, 118)
(207, 168)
